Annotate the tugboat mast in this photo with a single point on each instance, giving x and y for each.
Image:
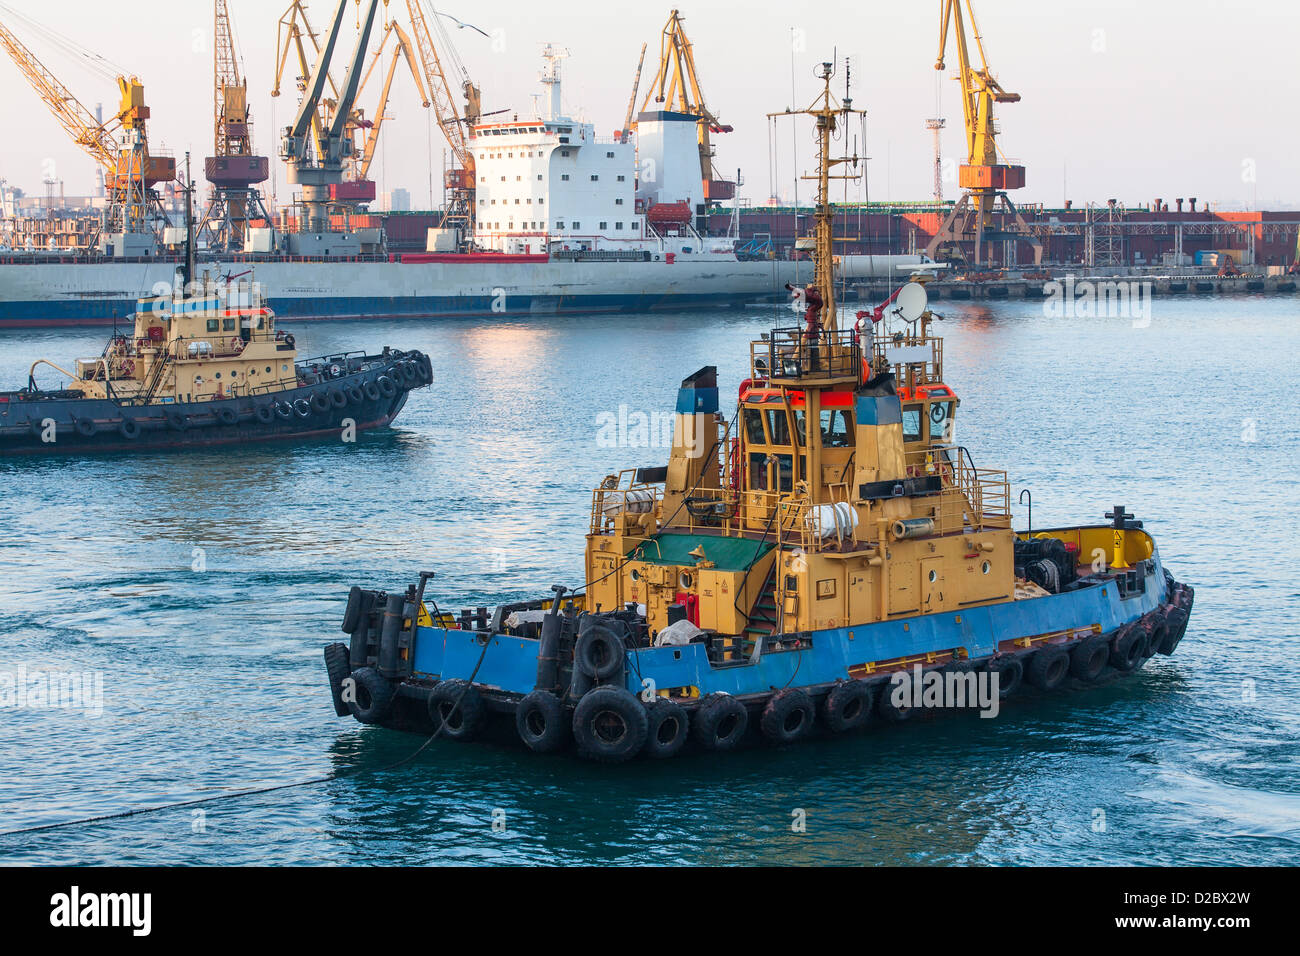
(188, 271)
(829, 114)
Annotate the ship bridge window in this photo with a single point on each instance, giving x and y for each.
(213, 325)
(836, 429)
(785, 473)
(941, 421)
(758, 471)
(778, 427)
(754, 427)
(912, 423)
(227, 325)
(800, 428)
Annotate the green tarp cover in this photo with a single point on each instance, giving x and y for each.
(727, 554)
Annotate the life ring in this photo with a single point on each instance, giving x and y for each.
(265, 413)
(599, 653)
(456, 709)
(666, 728)
(302, 408)
(290, 341)
(227, 415)
(284, 410)
(372, 695)
(386, 386)
(610, 725)
(371, 391)
(320, 402)
(788, 717)
(86, 427)
(129, 428)
(1048, 667)
(236, 345)
(354, 393)
(848, 706)
(720, 722)
(1088, 659)
(541, 722)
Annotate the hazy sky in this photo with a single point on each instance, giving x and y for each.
(1121, 98)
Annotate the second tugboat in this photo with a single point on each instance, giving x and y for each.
(785, 574)
(205, 365)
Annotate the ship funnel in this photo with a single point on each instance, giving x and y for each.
(693, 465)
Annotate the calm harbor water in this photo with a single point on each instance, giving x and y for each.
(201, 587)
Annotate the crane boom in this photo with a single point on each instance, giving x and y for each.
(626, 131)
(77, 121)
(453, 127)
(403, 49)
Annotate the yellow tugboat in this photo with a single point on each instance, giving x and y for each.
(205, 365)
(827, 557)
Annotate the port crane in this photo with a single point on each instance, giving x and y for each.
(625, 133)
(233, 171)
(456, 124)
(984, 179)
(120, 146)
(403, 49)
(677, 87)
(316, 150)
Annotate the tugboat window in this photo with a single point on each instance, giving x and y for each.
(785, 472)
(836, 431)
(758, 471)
(754, 427)
(778, 426)
(912, 423)
(800, 428)
(213, 325)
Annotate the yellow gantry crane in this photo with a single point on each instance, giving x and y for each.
(984, 179)
(402, 49)
(677, 87)
(120, 145)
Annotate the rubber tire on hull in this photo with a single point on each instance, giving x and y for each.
(372, 694)
(320, 402)
(227, 415)
(885, 706)
(720, 722)
(337, 398)
(1176, 618)
(1048, 667)
(86, 428)
(284, 410)
(788, 717)
(1126, 651)
(610, 725)
(541, 722)
(352, 613)
(666, 729)
(1010, 671)
(354, 394)
(179, 421)
(264, 413)
(337, 668)
(302, 408)
(387, 387)
(1157, 632)
(599, 653)
(371, 391)
(848, 706)
(456, 709)
(129, 428)
(1088, 658)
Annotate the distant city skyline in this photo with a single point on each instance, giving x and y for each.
(1120, 100)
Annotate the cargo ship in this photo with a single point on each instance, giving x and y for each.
(564, 221)
(824, 558)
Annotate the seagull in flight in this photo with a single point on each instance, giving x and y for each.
(461, 24)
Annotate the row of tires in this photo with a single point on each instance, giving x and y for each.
(610, 724)
(406, 374)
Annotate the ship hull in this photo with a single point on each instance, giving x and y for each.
(70, 293)
(1126, 625)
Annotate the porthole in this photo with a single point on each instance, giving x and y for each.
(986, 567)
(934, 576)
(685, 580)
(636, 575)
